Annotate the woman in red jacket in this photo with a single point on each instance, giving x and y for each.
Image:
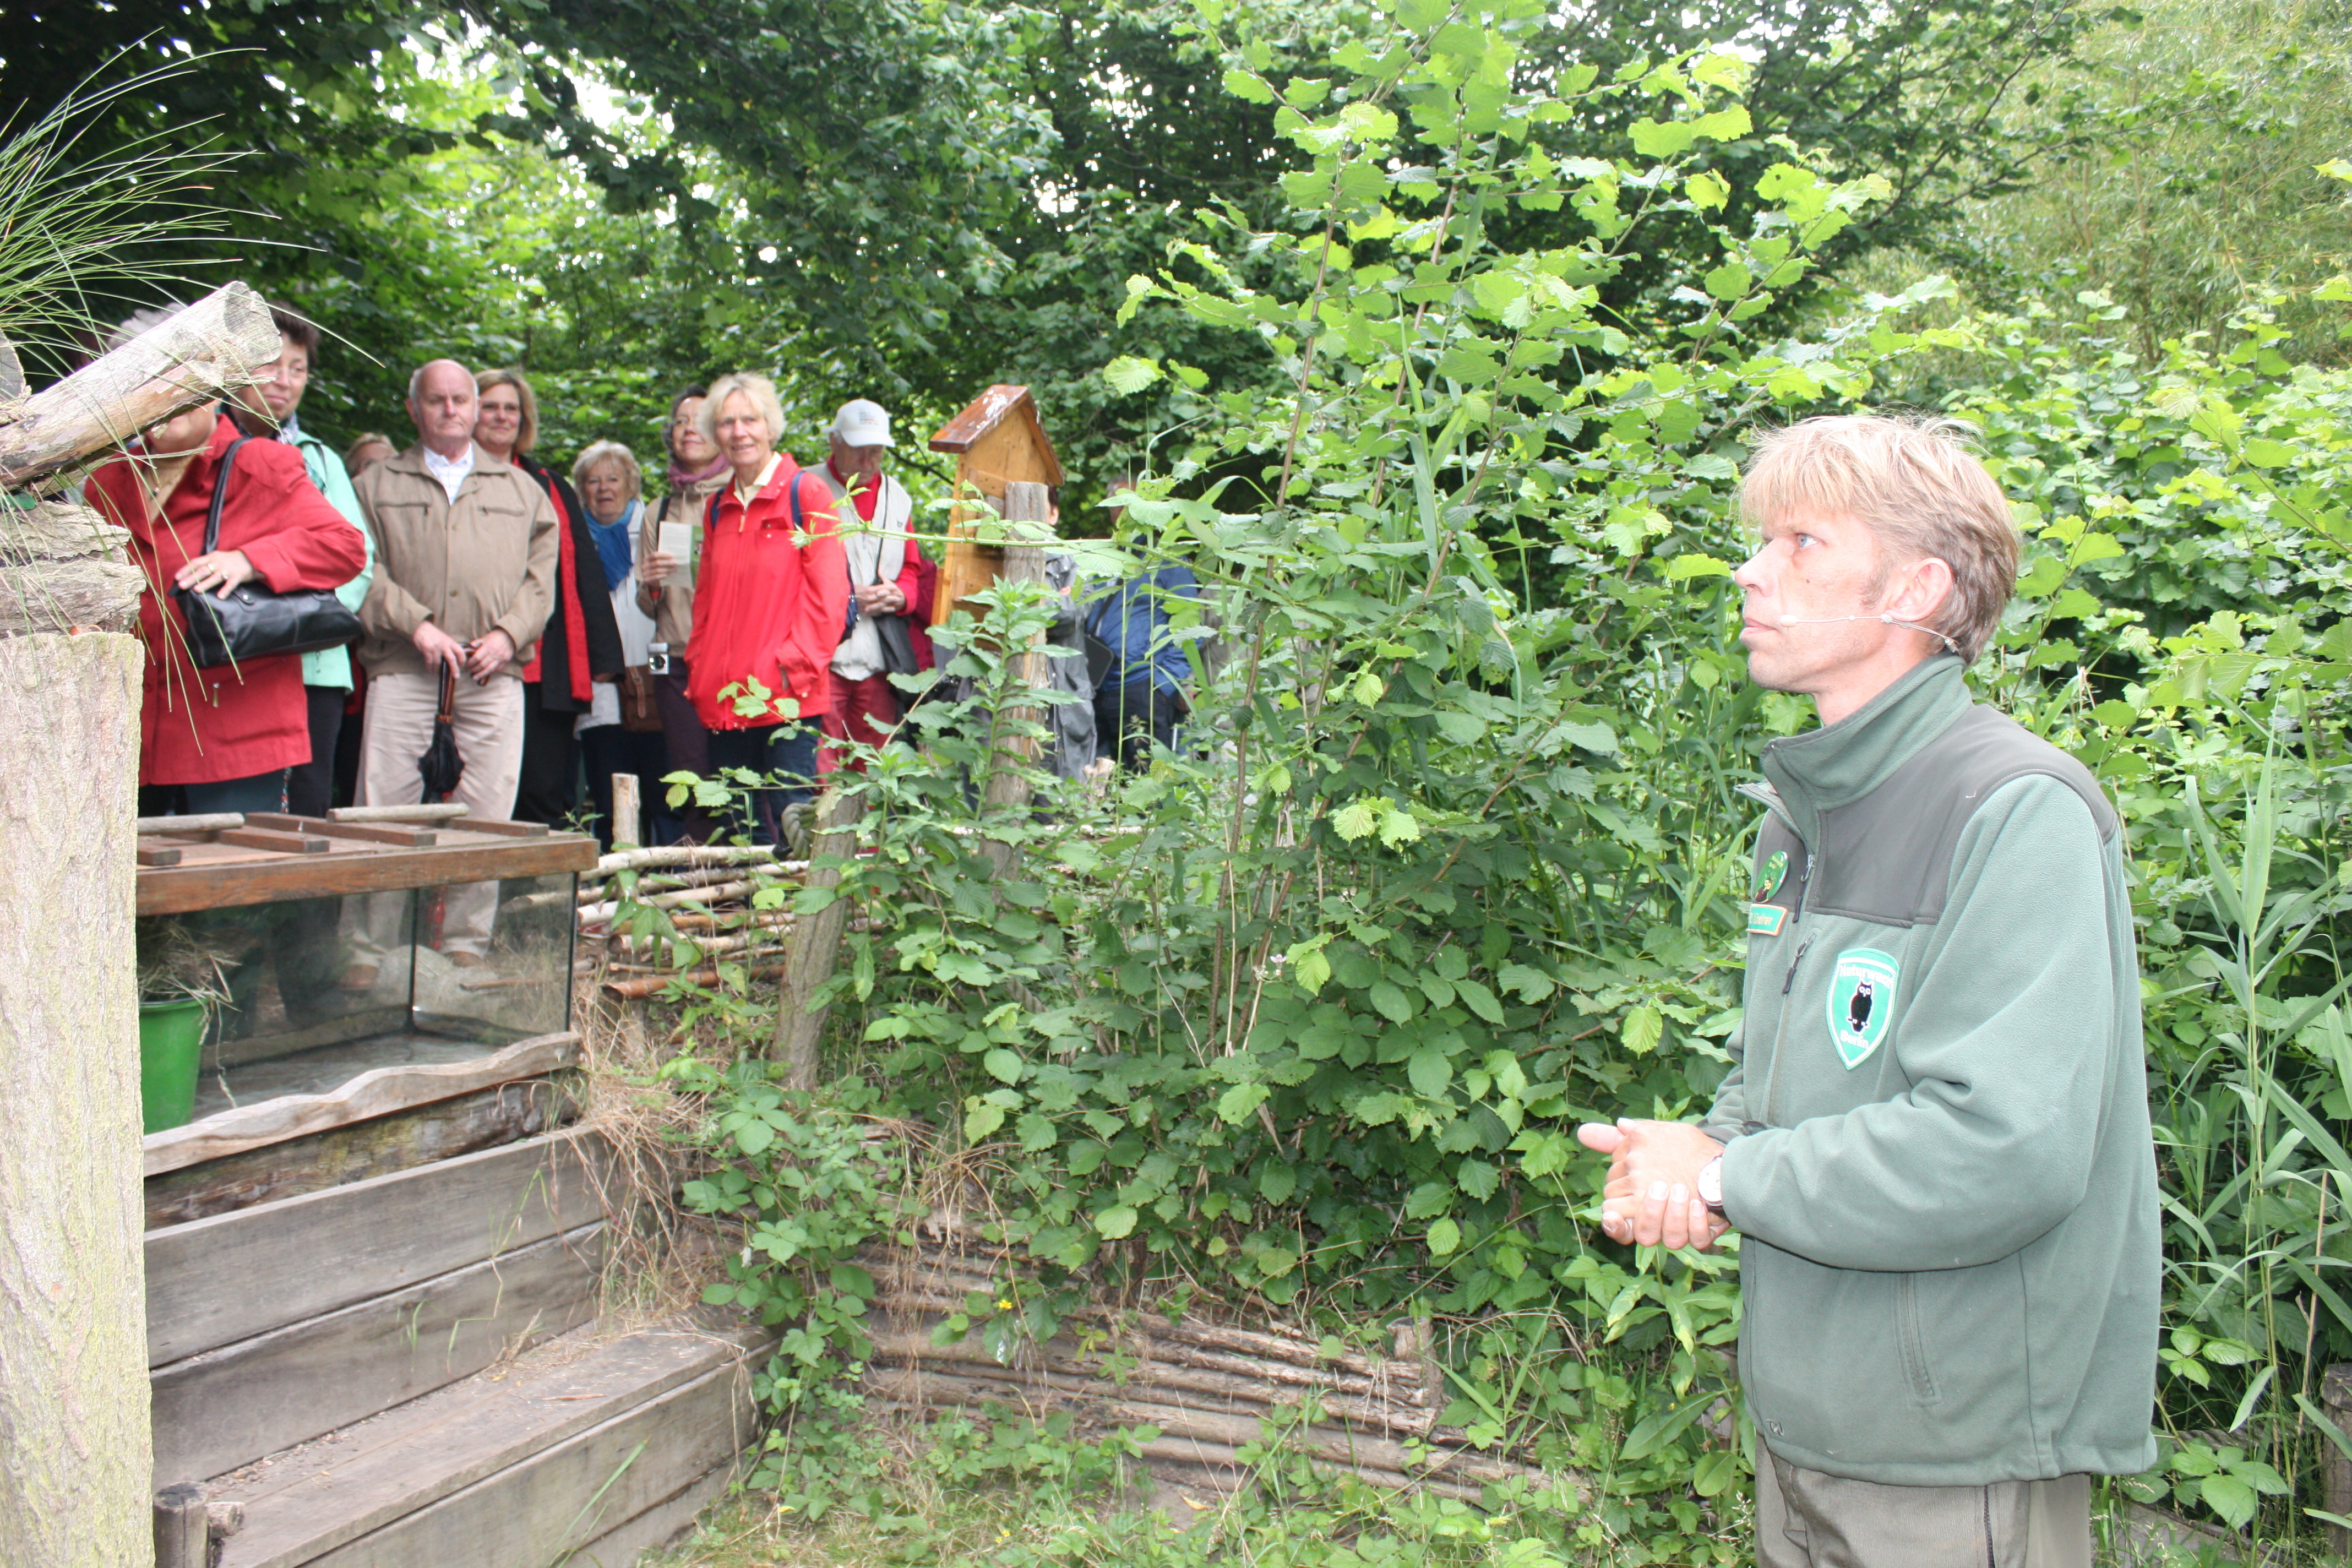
(770, 602)
(221, 739)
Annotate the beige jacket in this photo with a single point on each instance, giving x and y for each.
(485, 562)
(672, 605)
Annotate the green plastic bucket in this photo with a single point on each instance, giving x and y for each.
(171, 1045)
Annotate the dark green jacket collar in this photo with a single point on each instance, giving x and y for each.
(1839, 763)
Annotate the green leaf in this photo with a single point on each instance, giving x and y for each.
(1643, 1029)
(1390, 1001)
(1653, 140)
(1355, 820)
(1399, 828)
(1530, 985)
(1716, 1471)
(2228, 1496)
(755, 1137)
(1431, 1072)
(1682, 568)
(1116, 1223)
(1479, 1000)
(1707, 191)
(1126, 373)
(1003, 1065)
(1237, 1103)
(1443, 1237)
(1248, 86)
(1729, 281)
(2264, 453)
(981, 1118)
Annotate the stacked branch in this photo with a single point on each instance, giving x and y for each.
(1209, 1389)
(705, 896)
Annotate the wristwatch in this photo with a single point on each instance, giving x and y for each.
(1710, 1186)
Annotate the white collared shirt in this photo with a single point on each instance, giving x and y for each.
(450, 471)
(743, 497)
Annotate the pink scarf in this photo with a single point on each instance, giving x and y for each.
(682, 479)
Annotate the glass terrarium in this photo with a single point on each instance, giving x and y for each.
(316, 950)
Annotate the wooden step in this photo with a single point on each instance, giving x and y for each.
(613, 1444)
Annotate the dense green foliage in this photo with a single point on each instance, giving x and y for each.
(1305, 1019)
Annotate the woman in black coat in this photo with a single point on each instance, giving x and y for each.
(581, 644)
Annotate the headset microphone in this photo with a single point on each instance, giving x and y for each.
(1884, 620)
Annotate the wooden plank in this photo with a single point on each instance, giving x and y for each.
(441, 811)
(530, 851)
(159, 855)
(373, 833)
(486, 1118)
(321, 1496)
(282, 843)
(505, 830)
(659, 1525)
(370, 1094)
(533, 1513)
(226, 1407)
(204, 822)
(211, 1282)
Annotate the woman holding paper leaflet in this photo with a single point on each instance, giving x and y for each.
(667, 558)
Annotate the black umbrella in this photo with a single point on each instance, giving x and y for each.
(441, 766)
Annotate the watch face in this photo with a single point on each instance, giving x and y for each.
(1710, 1182)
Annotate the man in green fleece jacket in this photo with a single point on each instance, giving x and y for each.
(1935, 1140)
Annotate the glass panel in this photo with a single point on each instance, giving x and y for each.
(309, 993)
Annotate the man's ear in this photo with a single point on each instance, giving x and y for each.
(1920, 591)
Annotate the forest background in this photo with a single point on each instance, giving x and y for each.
(1437, 332)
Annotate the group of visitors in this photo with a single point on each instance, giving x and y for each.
(750, 617)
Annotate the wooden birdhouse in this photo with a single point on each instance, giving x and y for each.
(996, 441)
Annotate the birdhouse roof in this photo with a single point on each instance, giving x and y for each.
(1012, 409)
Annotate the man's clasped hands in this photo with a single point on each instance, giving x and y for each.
(1651, 1197)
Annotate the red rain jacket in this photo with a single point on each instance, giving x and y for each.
(200, 726)
(769, 601)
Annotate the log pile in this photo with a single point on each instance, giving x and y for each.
(705, 895)
(1209, 1389)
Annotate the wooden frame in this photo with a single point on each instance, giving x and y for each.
(222, 868)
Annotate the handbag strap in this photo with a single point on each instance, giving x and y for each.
(220, 494)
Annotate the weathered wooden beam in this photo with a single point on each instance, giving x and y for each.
(216, 1411)
(74, 1489)
(66, 568)
(213, 1282)
(214, 346)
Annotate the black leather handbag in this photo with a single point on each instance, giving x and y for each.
(252, 622)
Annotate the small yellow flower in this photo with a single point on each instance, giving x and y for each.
(1005, 1305)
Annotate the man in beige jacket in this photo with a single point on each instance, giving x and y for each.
(465, 561)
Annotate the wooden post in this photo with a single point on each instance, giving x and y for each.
(628, 816)
(1008, 785)
(182, 1528)
(814, 946)
(213, 346)
(75, 1491)
(2336, 1398)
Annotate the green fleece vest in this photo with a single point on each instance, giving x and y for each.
(1937, 1146)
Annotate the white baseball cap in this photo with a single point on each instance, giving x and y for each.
(862, 422)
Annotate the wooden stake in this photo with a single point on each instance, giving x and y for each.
(440, 812)
(815, 944)
(1008, 785)
(628, 816)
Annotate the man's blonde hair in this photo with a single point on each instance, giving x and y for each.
(1921, 490)
(759, 389)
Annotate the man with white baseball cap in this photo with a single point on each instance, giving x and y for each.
(885, 576)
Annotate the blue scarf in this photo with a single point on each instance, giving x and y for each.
(613, 546)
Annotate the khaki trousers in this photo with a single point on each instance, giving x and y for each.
(400, 709)
(1808, 1519)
